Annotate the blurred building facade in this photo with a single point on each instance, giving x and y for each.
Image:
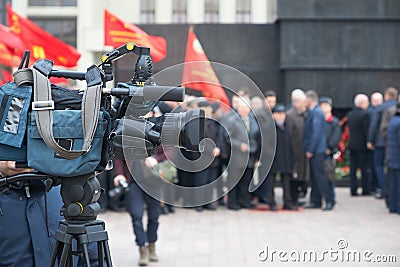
(333, 47)
(80, 22)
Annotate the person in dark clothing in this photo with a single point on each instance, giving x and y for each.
(358, 122)
(333, 133)
(315, 148)
(219, 116)
(295, 118)
(283, 161)
(376, 99)
(266, 122)
(245, 141)
(375, 141)
(29, 219)
(210, 173)
(393, 142)
(137, 200)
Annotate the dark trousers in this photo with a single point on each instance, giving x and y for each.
(186, 179)
(379, 166)
(239, 194)
(270, 182)
(137, 199)
(394, 191)
(371, 170)
(261, 191)
(319, 182)
(296, 187)
(206, 176)
(359, 159)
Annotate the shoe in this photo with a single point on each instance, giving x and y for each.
(171, 209)
(263, 200)
(273, 208)
(379, 194)
(328, 206)
(144, 256)
(199, 209)
(302, 194)
(354, 194)
(234, 207)
(248, 206)
(164, 210)
(312, 206)
(209, 207)
(221, 202)
(152, 252)
(366, 193)
(290, 207)
(299, 203)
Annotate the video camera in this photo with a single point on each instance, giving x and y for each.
(132, 136)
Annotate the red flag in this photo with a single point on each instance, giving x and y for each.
(5, 76)
(8, 57)
(11, 40)
(11, 47)
(118, 32)
(198, 73)
(41, 43)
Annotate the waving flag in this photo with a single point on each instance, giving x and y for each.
(198, 73)
(118, 32)
(41, 43)
(11, 47)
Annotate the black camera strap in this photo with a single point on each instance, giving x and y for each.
(43, 106)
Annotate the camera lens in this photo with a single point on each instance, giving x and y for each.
(185, 129)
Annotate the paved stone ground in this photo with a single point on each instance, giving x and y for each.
(228, 238)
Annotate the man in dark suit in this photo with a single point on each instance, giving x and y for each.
(283, 161)
(295, 118)
(315, 147)
(245, 143)
(358, 121)
(375, 141)
(211, 154)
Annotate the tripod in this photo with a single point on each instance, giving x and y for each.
(80, 210)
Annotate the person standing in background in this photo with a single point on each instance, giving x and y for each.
(137, 200)
(266, 122)
(358, 121)
(295, 118)
(333, 133)
(393, 142)
(315, 148)
(375, 141)
(246, 144)
(283, 161)
(376, 100)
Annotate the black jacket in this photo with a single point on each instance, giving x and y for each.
(333, 134)
(358, 121)
(284, 158)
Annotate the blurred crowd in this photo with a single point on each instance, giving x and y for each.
(307, 147)
(300, 156)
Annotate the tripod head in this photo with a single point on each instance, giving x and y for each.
(79, 194)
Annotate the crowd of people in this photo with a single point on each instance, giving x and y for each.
(306, 143)
(307, 146)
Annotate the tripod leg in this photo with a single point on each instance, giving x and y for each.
(86, 254)
(64, 255)
(55, 253)
(100, 253)
(70, 258)
(107, 252)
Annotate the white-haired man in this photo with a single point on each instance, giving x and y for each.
(295, 122)
(358, 121)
